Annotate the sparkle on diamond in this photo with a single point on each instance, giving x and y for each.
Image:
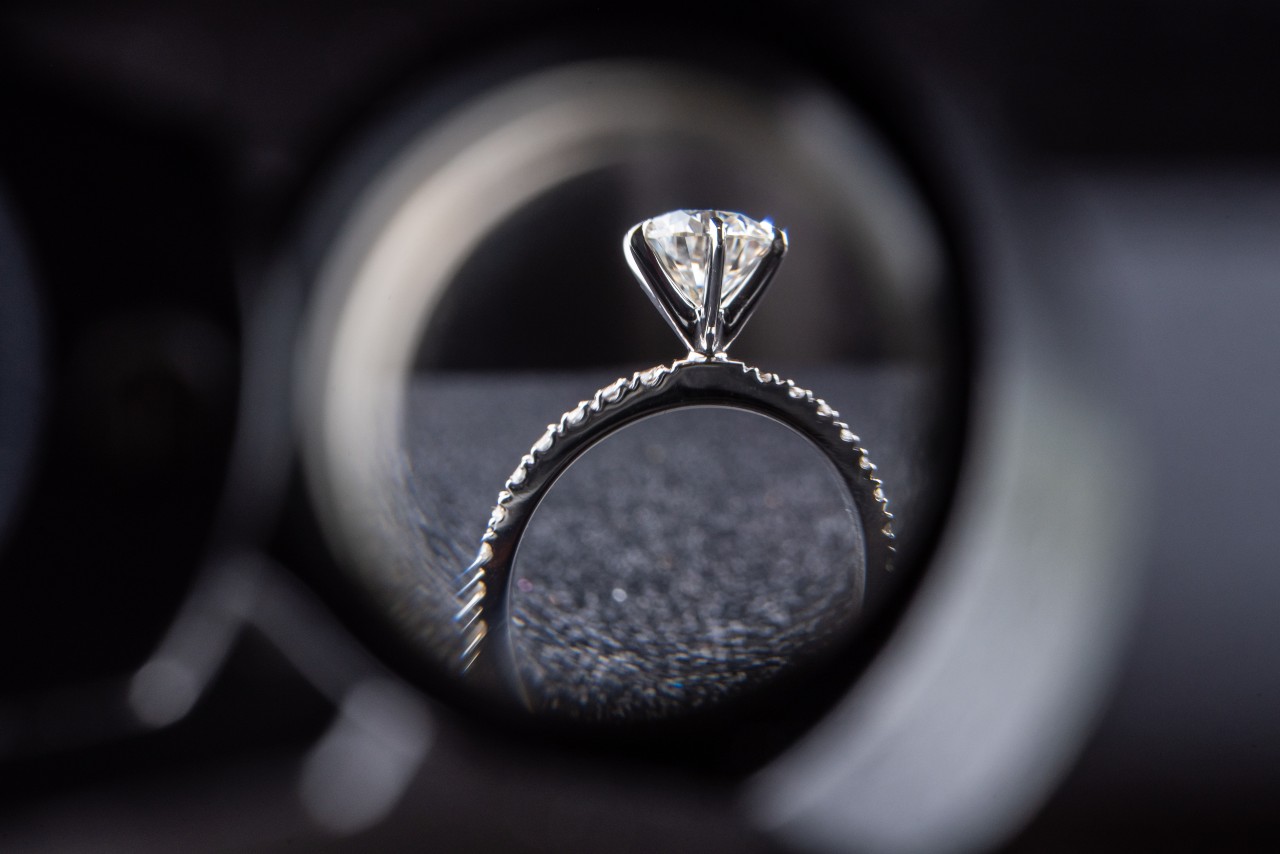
(680, 241)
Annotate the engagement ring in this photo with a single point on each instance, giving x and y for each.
(705, 271)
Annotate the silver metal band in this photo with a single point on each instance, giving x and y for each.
(696, 381)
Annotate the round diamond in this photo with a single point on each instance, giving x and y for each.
(681, 242)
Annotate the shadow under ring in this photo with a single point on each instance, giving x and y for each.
(483, 616)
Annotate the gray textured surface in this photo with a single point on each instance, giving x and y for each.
(687, 555)
(690, 556)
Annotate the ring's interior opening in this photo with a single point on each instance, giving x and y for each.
(680, 562)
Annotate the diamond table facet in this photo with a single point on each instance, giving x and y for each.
(681, 242)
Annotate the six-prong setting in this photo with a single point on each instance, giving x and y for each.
(705, 271)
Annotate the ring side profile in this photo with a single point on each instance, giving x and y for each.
(706, 272)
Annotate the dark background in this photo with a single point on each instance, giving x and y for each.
(154, 158)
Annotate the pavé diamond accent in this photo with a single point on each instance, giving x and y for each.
(474, 593)
(544, 444)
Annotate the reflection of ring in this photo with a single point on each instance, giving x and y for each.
(706, 272)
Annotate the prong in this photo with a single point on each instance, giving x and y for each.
(679, 314)
(753, 289)
(711, 315)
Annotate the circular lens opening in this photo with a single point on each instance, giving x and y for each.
(476, 289)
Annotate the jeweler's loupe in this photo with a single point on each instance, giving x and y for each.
(469, 286)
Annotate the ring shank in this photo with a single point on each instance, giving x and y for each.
(484, 591)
